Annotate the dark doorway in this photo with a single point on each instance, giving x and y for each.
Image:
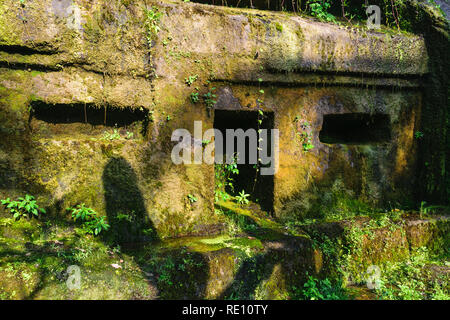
(355, 128)
(260, 187)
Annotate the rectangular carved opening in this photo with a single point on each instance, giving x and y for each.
(86, 118)
(260, 187)
(355, 128)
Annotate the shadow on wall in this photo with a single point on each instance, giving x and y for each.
(125, 205)
(179, 274)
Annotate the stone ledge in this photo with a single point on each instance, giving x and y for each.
(239, 42)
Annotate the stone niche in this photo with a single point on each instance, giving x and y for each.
(361, 144)
(90, 96)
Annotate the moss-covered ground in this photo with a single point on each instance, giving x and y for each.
(255, 258)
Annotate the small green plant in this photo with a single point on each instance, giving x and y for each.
(190, 80)
(241, 198)
(124, 217)
(91, 222)
(192, 198)
(149, 232)
(194, 97)
(83, 213)
(418, 135)
(425, 210)
(209, 98)
(408, 280)
(115, 135)
(319, 9)
(304, 136)
(315, 289)
(23, 207)
(224, 180)
(153, 16)
(306, 141)
(95, 226)
(129, 135)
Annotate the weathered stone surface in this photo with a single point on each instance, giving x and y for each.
(71, 53)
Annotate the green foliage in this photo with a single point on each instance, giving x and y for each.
(129, 135)
(174, 270)
(23, 207)
(153, 16)
(315, 289)
(91, 222)
(320, 8)
(191, 79)
(418, 135)
(194, 97)
(305, 136)
(115, 135)
(412, 280)
(96, 225)
(192, 198)
(82, 212)
(425, 210)
(124, 217)
(237, 223)
(224, 180)
(209, 98)
(241, 198)
(306, 139)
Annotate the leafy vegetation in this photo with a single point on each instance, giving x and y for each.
(418, 135)
(115, 135)
(304, 136)
(241, 198)
(23, 207)
(224, 179)
(194, 97)
(92, 223)
(316, 289)
(153, 16)
(320, 8)
(209, 98)
(413, 279)
(192, 198)
(191, 79)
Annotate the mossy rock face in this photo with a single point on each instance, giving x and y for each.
(70, 54)
(433, 234)
(349, 247)
(332, 179)
(34, 262)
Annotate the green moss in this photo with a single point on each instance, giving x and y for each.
(279, 26)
